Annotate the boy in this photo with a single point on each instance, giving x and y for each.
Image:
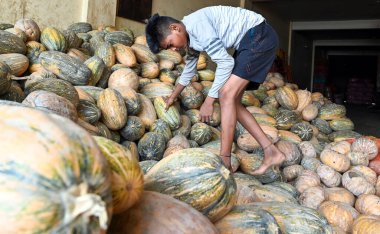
(213, 30)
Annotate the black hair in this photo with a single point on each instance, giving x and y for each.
(157, 29)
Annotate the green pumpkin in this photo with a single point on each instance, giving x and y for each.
(151, 146)
(119, 37)
(303, 130)
(53, 39)
(332, 111)
(88, 111)
(341, 124)
(201, 133)
(163, 128)
(286, 119)
(322, 125)
(134, 129)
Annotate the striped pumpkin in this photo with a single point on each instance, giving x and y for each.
(287, 98)
(198, 178)
(53, 39)
(171, 116)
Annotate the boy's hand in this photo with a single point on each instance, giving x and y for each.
(169, 101)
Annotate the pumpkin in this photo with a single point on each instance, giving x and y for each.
(290, 150)
(72, 40)
(287, 98)
(166, 64)
(332, 111)
(179, 140)
(51, 102)
(147, 113)
(340, 195)
(337, 161)
(80, 27)
(343, 135)
(123, 78)
(143, 54)
(198, 178)
(307, 179)
(322, 125)
(201, 133)
(163, 128)
(329, 176)
(185, 127)
(93, 91)
(75, 53)
(72, 156)
(65, 67)
(366, 224)
(156, 213)
(342, 147)
(366, 146)
(147, 165)
(293, 218)
(53, 39)
(339, 214)
(103, 130)
(118, 37)
(141, 40)
(30, 28)
(106, 52)
(341, 124)
(18, 63)
(292, 172)
(168, 76)
(5, 78)
(310, 112)
(246, 219)
(261, 94)
(311, 163)
(307, 149)
(191, 98)
(10, 43)
(267, 193)
(112, 106)
(312, 197)
(202, 61)
(33, 51)
(303, 130)
(170, 55)
(15, 93)
(358, 158)
(206, 75)
(356, 183)
(150, 70)
(97, 67)
(249, 99)
(88, 111)
(127, 177)
(289, 136)
(286, 119)
(134, 129)
(157, 89)
(151, 146)
(368, 204)
(304, 99)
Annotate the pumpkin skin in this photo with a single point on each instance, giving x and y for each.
(366, 146)
(310, 112)
(10, 43)
(306, 180)
(97, 67)
(114, 111)
(151, 146)
(339, 214)
(18, 63)
(337, 161)
(191, 98)
(30, 28)
(106, 52)
(143, 54)
(134, 129)
(124, 55)
(366, 224)
(198, 179)
(185, 126)
(291, 152)
(88, 111)
(171, 116)
(292, 172)
(329, 176)
(312, 197)
(293, 218)
(118, 37)
(170, 55)
(356, 183)
(340, 195)
(80, 27)
(341, 124)
(304, 99)
(127, 177)
(147, 165)
(201, 133)
(287, 98)
(147, 113)
(53, 39)
(34, 50)
(157, 89)
(65, 67)
(303, 130)
(332, 111)
(286, 119)
(73, 157)
(245, 219)
(156, 213)
(368, 204)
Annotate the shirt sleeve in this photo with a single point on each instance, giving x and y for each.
(214, 47)
(190, 69)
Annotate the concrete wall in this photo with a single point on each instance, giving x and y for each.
(59, 13)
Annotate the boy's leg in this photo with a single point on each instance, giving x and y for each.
(228, 94)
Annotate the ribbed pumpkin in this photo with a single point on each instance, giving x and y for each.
(157, 213)
(303, 130)
(312, 197)
(127, 177)
(201, 133)
(191, 98)
(10, 43)
(310, 112)
(51, 102)
(304, 99)
(53, 39)
(206, 75)
(198, 179)
(366, 224)
(147, 113)
(15, 93)
(339, 214)
(65, 67)
(97, 67)
(292, 172)
(343, 135)
(286, 119)
(335, 160)
(287, 98)
(246, 219)
(18, 63)
(368, 204)
(294, 218)
(185, 126)
(143, 54)
(69, 166)
(322, 125)
(166, 64)
(114, 111)
(134, 129)
(30, 28)
(365, 146)
(103, 130)
(290, 150)
(157, 89)
(163, 128)
(106, 52)
(171, 116)
(306, 180)
(356, 183)
(311, 164)
(329, 176)
(340, 195)
(307, 149)
(171, 55)
(249, 99)
(34, 50)
(341, 124)
(5, 78)
(332, 111)
(151, 146)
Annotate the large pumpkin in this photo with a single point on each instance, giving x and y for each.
(127, 177)
(57, 180)
(366, 224)
(287, 98)
(198, 178)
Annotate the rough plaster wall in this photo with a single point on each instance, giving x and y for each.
(44, 12)
(101, 12)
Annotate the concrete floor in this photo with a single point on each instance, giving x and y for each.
(366, 119)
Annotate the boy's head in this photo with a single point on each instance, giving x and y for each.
(165, 32)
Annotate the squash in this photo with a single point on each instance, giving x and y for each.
(18, 32)
(341, 124)
(322, 125)
(53, 39)
(5, 78)
(143, 54)
(332, 111)
(167, 76)
(292, 172)
(93, 91)
(150, 70)
(133, 130)
(80, 27)
(112, 106)
(147, 113)
(200, 133)
(337, 161)
(356, 183)
(131, 146)
(312, 197)
(202, 61)
(329, 176)
(170, 55)
(290, 150)
(151, 146)
(18, 63)
(343, 135)
(286, 119)
(157, 89)
(179, 140)
(106, 52)
(171, 116)
(310, 112)
(366, 146)
(307, 179)
(103, 130)
(311, 163)
(206, 75)
(69, 165)
(293, 218)
(366, 172)
(340, 195)
(118, 37)
(289, 136)
(287, 98)
(127, 177)
(10, 43)
(65, 67)
(30, 28)
(15, 93)
(156, 213)
(51, 102)
(191, 98)
(125, 55)
(303, 130)
(358, 158)
(166, 64)
(123, 78)
(366, 224)
(342, 147)
(307, 149)
(97, 67)
(75, 53)
(163, 128)
(267, 193)
(198, 178)
(261, 94)
(339, 214)
(246, 219)
(72, 40)
(33, 51)
(185, 126)
(304, 99)
(368, 204)
(249, 99)
(147, 165)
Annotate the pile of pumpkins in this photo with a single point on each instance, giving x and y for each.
(87, 145)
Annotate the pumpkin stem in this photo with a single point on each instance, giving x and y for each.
(20, 78)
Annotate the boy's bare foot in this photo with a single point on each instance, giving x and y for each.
(272, 157)
(227, 161)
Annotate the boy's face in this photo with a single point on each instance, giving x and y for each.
(177, 39)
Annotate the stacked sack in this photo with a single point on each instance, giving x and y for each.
(103, 90)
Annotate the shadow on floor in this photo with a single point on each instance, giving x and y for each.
(365, 118)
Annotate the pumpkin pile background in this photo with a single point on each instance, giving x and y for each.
(110, 88)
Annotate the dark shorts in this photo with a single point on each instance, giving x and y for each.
(256, 53)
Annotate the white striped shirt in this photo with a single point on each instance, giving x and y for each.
(214, 30)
